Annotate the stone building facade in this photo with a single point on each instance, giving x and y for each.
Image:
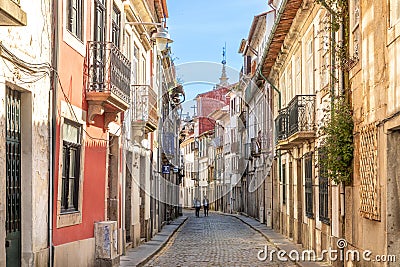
(372, 201)
(25, 132)
(297, 65)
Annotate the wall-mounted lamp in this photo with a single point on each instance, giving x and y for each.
(161, 37)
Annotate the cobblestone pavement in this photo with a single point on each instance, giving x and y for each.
(216, 240)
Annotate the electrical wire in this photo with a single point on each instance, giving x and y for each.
(45, 68)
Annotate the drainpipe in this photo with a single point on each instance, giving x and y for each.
(279, 107)
(52, 126)
(123, 186)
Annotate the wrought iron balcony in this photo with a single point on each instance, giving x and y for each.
(296, 123)
(144, 107)
(11, 13)
(108, 79)
(302, 114)
(281, 124)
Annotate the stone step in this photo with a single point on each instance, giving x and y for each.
(128, 245)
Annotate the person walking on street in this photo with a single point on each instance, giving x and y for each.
(197, 206)
(205, 205)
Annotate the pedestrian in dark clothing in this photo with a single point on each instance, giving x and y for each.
(197, 206)
(205, 205)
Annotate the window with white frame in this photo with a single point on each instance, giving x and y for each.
(325, 69)
(323, 185)
(232, 107)
(297, 69)
(135, 64)
(309, 67)
(75, 18)
(127, 45)
(71, 156)
(116, 26)
(143, 70)
(100, 20)
(289, 81)
(308, 184)
(283, 86)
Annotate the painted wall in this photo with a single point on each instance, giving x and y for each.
(30, 43)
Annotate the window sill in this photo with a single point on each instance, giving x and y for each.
(325, 221)
(69, 212)
(69, 219)
(75, 43)
(310, 216)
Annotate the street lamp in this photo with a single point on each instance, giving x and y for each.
(161, 36)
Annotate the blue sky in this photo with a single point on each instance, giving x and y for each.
(200, 30)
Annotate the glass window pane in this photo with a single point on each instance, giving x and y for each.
(63, 195)
(71, 133)
(71, 194)
(72, 163)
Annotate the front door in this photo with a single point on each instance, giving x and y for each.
(13, 178)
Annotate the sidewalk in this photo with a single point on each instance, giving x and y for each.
(279, 240)
(140, 255)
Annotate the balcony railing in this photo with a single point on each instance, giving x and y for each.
(108, 71)
(144, 106)
(296, 122)
(302, 114)
(281, 124)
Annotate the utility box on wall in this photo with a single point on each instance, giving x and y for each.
(106, 238)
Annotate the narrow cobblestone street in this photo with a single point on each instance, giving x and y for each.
(216, 240)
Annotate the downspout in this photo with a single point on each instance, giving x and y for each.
(279, 108)
(52, 126)
(273, 30)
(273, 87)
(123, 186)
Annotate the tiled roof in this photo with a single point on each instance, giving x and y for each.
(288, 13)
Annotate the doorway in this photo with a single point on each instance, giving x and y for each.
(13, 178)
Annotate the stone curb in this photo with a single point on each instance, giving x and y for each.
(163, 243)
(301, 264)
